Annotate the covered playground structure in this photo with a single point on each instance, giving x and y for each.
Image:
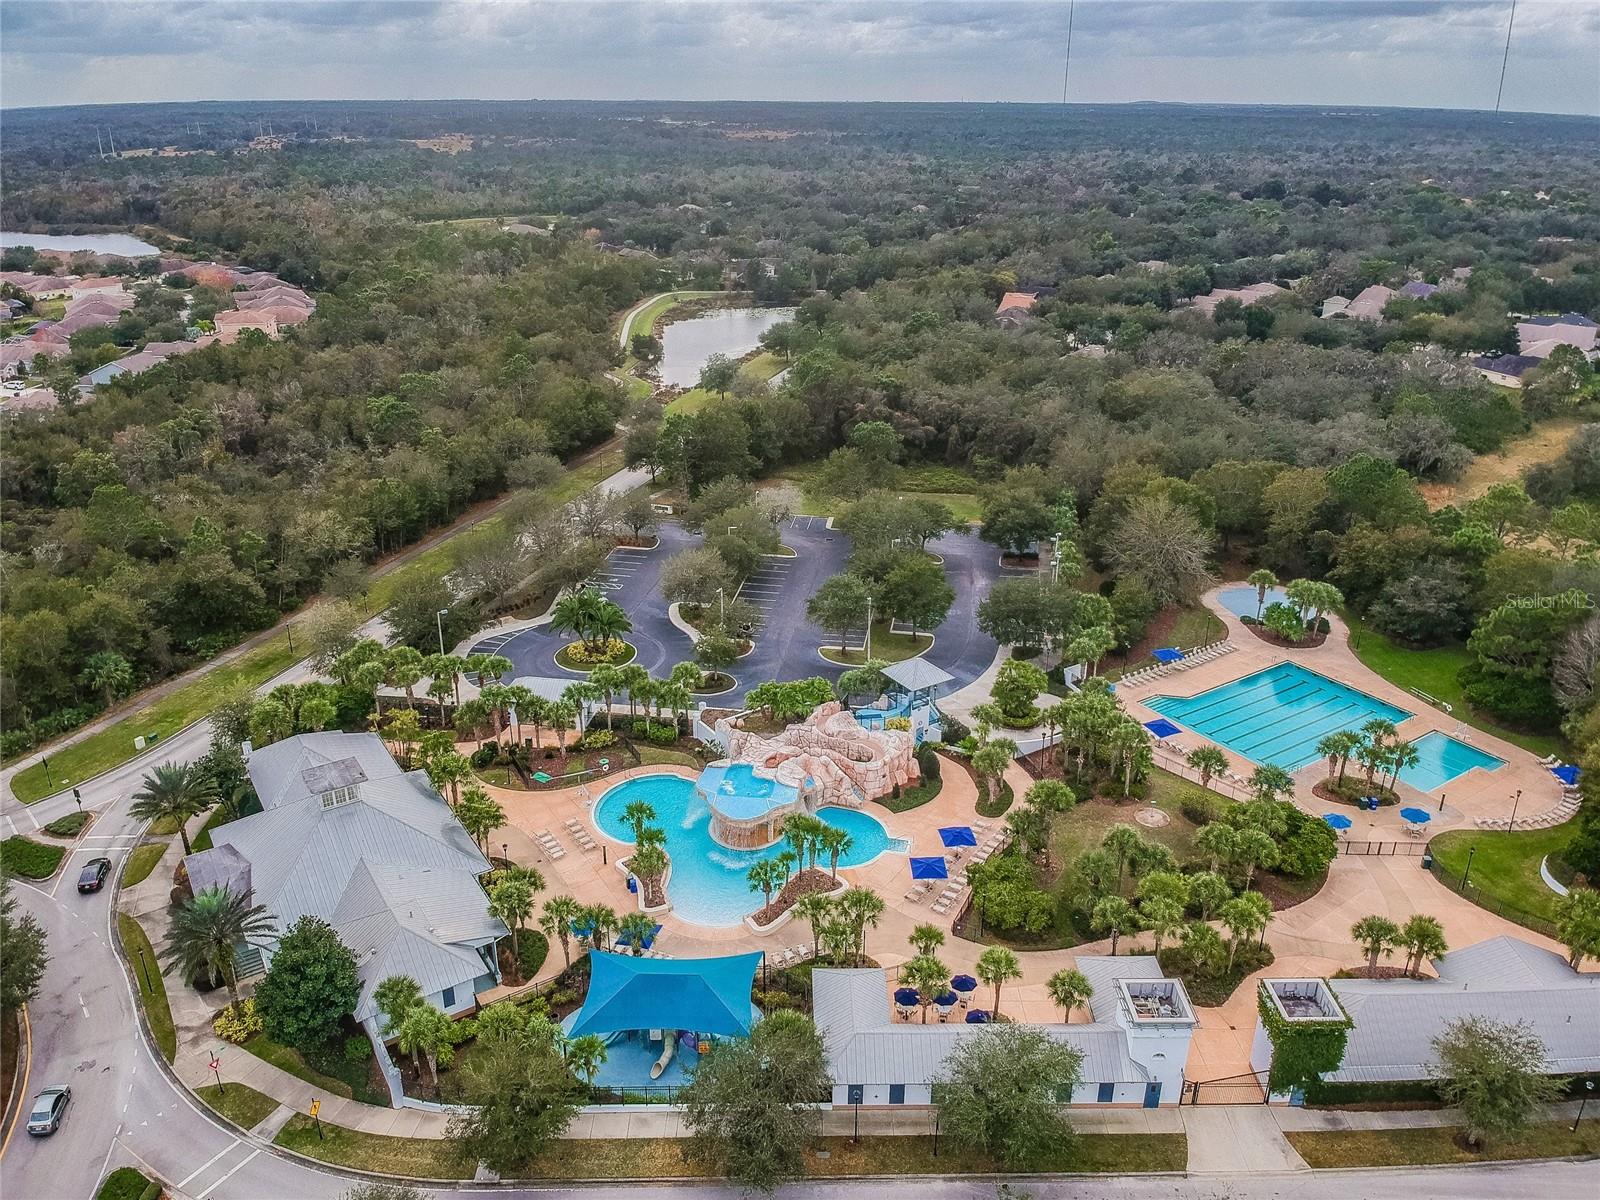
(913, 687)
(657, 1015)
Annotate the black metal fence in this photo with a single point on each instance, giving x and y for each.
(1384, 849)
(1533, 921)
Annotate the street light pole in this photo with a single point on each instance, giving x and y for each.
(1515, 800)
(1588, 1087)
(868, 650)
(1467, 873)
(48, 782)
(438, 620)
(1055, 559)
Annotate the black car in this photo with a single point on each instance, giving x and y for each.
(93, 876)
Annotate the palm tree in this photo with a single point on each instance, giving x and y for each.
(1261, 580)
(1244, 916)
(403, 667)
(637, 815)
(447, 667)
(602, 924)
(175, 792)
(1162, 917)
(1220, 841)
(1422, 937)
(648, 862)
(797, 832)
(608, 681)
(1401, 756)
(764, 875)
(609, 621)
(1202, 945)
(929, 976)
(585, 1056)
(1209, 761)
(575, 612)
(834, 842)
(815, 909)
(990, 761)
(1377, 936)
(1129, 743)
(1254, 849)
(561, 714)
(480, 815)
(927, 938)
(519, 700)
(862, 908)
(1069, 989)
(425, 1028)
(208, 930)
(786, 861)
(635, 927)
(1114, 915)
(995, 966)
(632, 678)
(557, 919)
(1124, 842)
(511, 900)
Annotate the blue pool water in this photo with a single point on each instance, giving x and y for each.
(1442, 758)
(743, 794)
(708, 884)
(1276, 716)
(1241, 601)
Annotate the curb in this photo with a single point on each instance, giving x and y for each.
(19, 1087)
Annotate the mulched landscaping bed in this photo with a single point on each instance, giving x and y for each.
(1309, 642)
(1356, 789)
(812, 879)
(1379, 972)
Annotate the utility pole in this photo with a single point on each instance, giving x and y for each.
(868, 650)
(99, 143)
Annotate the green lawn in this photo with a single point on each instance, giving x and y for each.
(666, 1158)
(1418, 1147)
(125, 1183)
(68, 826)
(887, 646)
(655, 756)
(918, 794)
(760, 368)
(114, 745)
(30, 859)
(1434, 671)
(244, 1106)
(148, 982)
(350, 1083)
(141, 862)
(647, 316)
(1505, 866)
(950, 487)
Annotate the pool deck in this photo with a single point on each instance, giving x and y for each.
(1476, 793)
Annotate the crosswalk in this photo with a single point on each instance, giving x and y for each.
(492, 645)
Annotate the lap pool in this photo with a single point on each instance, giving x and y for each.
(1278, 716)
(708, 884)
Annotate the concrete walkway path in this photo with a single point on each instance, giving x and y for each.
(1228, 1139)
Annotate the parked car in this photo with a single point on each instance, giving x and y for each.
(93, 876)
(48, 1108)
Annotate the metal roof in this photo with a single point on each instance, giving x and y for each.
(279, 771)
(1503, 979)
(851, 1011)
(916, 674)
(1104, 973)
(219, 867)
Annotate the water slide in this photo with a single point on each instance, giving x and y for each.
(668, 1049)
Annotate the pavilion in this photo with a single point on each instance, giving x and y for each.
(914, 685)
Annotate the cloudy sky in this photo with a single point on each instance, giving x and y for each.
(1431, 53)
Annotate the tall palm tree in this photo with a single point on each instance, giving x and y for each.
(585, 1056)
(862, 908)
(404, 667)
(815, 909)
(635, 927)
(1244, 916)
(1401, 756)
(1422, 937)
(1209, 761)
(925, 939)
(1162, 917)
(1069, 989)
(637, 815)
(1377, 936)
(1114, 915)
(608, 680)
(176, 792)
(480, 815)
(632, 678)
(1261, 580)
(929, 976)
(207, 930)
(512, 901)
(764, 875)
(556, 921)
(996, 965)
(447, 667)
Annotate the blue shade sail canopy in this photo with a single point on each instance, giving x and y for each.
(1161, 727)
(1167, 654)
(929, 868)
(707, 995)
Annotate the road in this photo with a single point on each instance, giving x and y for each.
(787, 644)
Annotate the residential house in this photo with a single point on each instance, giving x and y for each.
(1538, 336)
(1505, 369)
(39, 287)
(1394, 1021)
(1015, 309)
(346, 835)
(31, 400)
(100, 285)
(280, 295)
(1134, 1050)
(232, 322)
(1247, 295)
(1417, 290)
(20, 353)
(1367, 306)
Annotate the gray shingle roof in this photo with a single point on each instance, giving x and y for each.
(916, 674)
(851, 1009)
(1503, 979)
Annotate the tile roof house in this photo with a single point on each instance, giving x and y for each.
(100, 285)
(281, 294)
(1394, 1021)
(345, 835)
(1417, 289)
(40, 287)
(1134, 1050)
(1368, 304)
(232, 322)
(24, 352)
(1246, 295)
(1539, 335)
(1505, 369)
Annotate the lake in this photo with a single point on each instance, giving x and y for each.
(687, 345)
(124, 244)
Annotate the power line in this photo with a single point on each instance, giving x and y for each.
(1067, 71)
(1506, 57)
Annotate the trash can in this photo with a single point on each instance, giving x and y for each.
(1427, 861)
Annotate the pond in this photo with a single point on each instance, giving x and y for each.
(686, 345)
(123, 244)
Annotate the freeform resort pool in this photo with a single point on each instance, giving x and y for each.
(1277, 716)
(708, 883)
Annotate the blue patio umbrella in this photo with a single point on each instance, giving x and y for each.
(1161, 727)
(1167, 654)
(946, 1000)
(1337, 820)
(1567, 773)
(958, 835)
(624, 939)
(977, 1016)
(929, 868)
(964, 983)
(1417, 816)
(906, 997)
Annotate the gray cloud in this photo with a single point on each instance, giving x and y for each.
(1442, 53)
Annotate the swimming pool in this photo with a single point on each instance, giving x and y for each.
(741, 793)
(1441, 758)
(1242, 601)
(1278, 715)
(708, 884)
